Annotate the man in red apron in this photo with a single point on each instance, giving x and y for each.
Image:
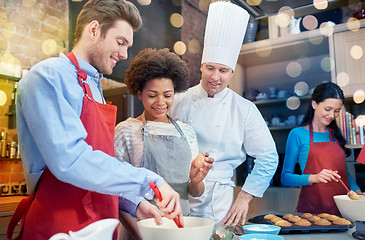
(66, 133)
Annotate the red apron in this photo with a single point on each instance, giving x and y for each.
(361, 157)
(57, 206)
(318, 197)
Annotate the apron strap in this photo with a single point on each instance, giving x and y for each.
(81, 76)
(20, 212)
(310, 133)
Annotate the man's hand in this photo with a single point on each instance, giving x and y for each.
(170, 204)
(239, 209)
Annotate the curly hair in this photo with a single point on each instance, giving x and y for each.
(151, 64)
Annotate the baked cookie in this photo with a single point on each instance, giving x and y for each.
(322, 222)
(303, 223)
(274, 220)
(283, 223)
(341, 221)
(313, 218)
(332, 217)
(294, 219)
(287, 216)
(323, 215)
(269, 216)
(306, 215)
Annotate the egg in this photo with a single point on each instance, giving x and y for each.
(199, 161)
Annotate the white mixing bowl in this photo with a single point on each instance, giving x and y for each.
(351, 209)
(195, 228)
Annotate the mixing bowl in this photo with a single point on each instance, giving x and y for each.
(195, 228)
(351, 209)
(262, 236)
(261, 228)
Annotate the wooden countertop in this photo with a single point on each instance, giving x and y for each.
(8, 204)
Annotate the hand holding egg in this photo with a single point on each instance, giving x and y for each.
(199, 161)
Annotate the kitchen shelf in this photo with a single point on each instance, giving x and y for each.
(278, 101)
(7, 77)
(285, 128)
(9, 159)
(357, 146)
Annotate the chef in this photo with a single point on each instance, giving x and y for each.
(66, 134)
(227, 125)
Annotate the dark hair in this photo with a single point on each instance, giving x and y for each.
(107, 12)
(322, 92)
(150, 64)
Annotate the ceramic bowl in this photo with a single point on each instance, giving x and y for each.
(351, 209)
(261, 236)
(195, 228)
(261, 228)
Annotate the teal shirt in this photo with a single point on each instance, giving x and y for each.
(297, 148)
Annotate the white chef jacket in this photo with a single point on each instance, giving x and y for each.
(228, 127)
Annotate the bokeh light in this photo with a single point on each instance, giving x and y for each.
(49, 47)
(326, 29)
(301, 88)
(144, 2)
(342, 79)
(327, 64)
(264, 48)
(310, 22)
(180, 48)
(359, 96)
(293, 103)
(356, 52)
(3, 98)
(254, 2)
(293, 69)
(177, 3)
(320, 4)
(287, 10)
(204, 5)
(305, 62)
(10, 65)
(176, 20)
(282, 20)
(194, 46)
(353, 24)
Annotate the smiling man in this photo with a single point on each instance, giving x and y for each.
(227, 126)
(66, 134)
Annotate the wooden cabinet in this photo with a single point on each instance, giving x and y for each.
(307, 57)
(349, 52)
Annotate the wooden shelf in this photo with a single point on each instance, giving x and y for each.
(7, 77)
(9, 159)
(277, 101)
(285, 128)
(357, 146)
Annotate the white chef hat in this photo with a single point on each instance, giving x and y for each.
(224, 33)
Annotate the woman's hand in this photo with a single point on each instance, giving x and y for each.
(196, 185)
(198, 174)
(358, 192)
(325, 176)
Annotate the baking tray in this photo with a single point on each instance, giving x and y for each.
(298, 229)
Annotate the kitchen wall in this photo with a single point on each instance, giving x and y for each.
(30, 31)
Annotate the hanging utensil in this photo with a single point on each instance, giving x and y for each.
(351, 194)
(158, 195)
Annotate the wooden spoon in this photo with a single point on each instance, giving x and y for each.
(351, 194)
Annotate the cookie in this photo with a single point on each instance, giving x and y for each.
(306, 215)
(322, 222)
(332, 217)
(283, 223)
(270, 216)
(287, 216)
(323, 215)
(342, 222)
(294, 218)
(274, 220)
(303, 223)
(313, 218)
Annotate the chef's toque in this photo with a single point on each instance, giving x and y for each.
(224, 33)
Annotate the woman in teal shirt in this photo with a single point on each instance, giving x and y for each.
(319, 148)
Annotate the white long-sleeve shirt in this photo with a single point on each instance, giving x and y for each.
(229, 127)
